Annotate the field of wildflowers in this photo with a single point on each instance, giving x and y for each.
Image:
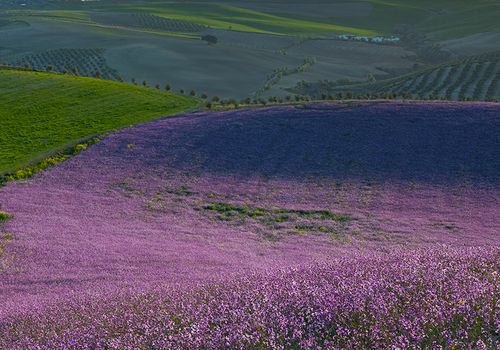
(362, 226)
(424, 299)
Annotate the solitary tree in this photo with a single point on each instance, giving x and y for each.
(168, 87)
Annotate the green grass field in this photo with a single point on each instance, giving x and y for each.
(441, 19)
(41, 113)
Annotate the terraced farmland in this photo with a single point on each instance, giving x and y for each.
(85, 62)
(475, 78)
(147, 21)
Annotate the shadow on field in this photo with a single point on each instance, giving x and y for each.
(440, 142)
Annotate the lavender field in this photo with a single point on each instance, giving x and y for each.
(364, 225)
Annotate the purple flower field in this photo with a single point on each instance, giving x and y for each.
(369, 225)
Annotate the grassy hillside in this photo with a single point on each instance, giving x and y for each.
(41, 112)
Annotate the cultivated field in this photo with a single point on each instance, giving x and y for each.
(324, 225)
(86, 62)
(475, 79)
(159, 42)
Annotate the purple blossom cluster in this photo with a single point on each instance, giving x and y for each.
(432, 298)
(371, 225)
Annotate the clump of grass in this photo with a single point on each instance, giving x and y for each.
(282, 218)
(4, 239)
(306, 220)
(316, 214)
(128, 187)
(313, 228)
(181, 191)
(228, 210)
(4, 216)
(277, 215)
(7, 236)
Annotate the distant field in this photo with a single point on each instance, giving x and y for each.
(42, 112)
(86, 62)
(159, 41)
(147, 21)
(476, 78)
(443, 19)
(229, 17)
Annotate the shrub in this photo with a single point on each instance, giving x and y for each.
(210, 39)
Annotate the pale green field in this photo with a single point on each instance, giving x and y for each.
(443, 19)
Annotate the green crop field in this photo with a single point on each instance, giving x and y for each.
(42, 112)
(441, 19)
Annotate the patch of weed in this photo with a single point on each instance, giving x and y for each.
(181, 191)
(4, 216)
(316, 214)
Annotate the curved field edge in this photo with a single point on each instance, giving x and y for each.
(56, 156)
(429, 298)
(42, 113)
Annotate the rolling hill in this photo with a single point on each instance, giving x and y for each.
(42, 113)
